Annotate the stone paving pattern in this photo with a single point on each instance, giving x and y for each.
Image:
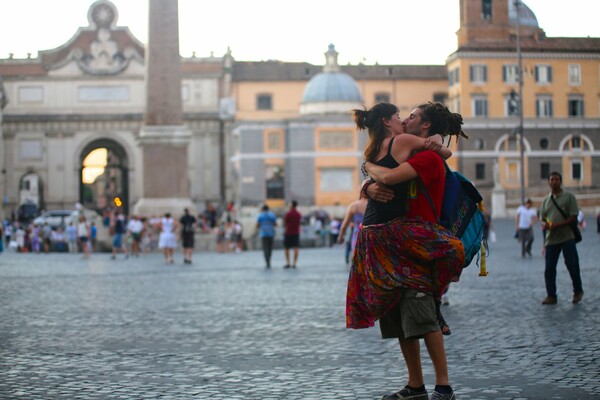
(227, 328)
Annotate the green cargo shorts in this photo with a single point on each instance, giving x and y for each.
(412, 318)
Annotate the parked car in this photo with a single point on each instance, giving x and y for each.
(90, 216)
(54, 218)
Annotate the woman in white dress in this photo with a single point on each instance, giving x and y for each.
(167, 240)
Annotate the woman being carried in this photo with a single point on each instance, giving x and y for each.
(394, 251)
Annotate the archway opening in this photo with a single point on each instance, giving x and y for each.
(104, 177)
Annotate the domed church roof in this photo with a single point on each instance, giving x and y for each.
(331, 91)
(526, 16)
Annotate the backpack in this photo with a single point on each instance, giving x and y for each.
(462, 214)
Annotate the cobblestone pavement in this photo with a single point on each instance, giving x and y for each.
(227, 328)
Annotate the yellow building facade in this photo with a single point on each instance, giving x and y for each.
(560, 103)
(284, 134)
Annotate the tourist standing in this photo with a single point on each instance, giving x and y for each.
(135, 229)
(167, 240)
(291, 239)
(83, 233)
(93, 236)
(526, 218)
(71, 233)
(559, 212)
(118, 230)
(188, 230)
(266, 223)
(354, 217)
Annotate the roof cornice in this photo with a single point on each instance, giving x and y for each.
(525, 55)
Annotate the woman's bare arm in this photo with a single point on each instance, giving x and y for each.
(405, 144)
(391, 176)
(402, 148)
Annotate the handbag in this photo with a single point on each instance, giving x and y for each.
(574, 227)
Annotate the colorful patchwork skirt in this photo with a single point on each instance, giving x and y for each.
(403, 253)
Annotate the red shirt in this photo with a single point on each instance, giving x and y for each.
(430, 168)
(292, 222)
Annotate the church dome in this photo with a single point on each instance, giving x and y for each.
(526, 16)
(331, 91)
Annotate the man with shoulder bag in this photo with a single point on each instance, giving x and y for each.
(559, 221)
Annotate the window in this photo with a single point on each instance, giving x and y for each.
(274, 182)
(103, 93)
(274, 141)
(512, 171)
(574, 74)
(382, 97)
(575, 107)
(511, 103)
(264, 102)
(576, 170)
(335, 140)
(453, 76)
(478, 144)
(478, 73)
(543, 107)
(543, 74)
(31, 150)
(510, 73)
(576, 142)
(480, 106)
(544, 143)
(31, 94)
(336, 180)
(185, 93)
(544, 170)
(486, 9)
(440, 97)
(480, 171)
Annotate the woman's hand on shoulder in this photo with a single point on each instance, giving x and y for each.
(434, 143)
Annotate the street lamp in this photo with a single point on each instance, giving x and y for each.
(520, 102)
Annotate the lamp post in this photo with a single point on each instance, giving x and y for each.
(520, 102)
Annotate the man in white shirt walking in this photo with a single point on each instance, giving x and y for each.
(526, 218)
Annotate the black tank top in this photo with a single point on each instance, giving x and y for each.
(379, 213)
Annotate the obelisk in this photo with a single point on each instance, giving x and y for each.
(163, 138)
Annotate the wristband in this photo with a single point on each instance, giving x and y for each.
(363, 169)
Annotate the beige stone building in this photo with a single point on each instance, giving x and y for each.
(72, 119)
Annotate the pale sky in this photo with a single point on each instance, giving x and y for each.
(382, 31)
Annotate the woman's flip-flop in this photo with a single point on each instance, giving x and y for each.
(441, 321)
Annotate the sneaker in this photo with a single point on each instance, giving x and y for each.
(407, 393)
(442, 396)
(577, 296)
(551, 300)
(286, 266)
